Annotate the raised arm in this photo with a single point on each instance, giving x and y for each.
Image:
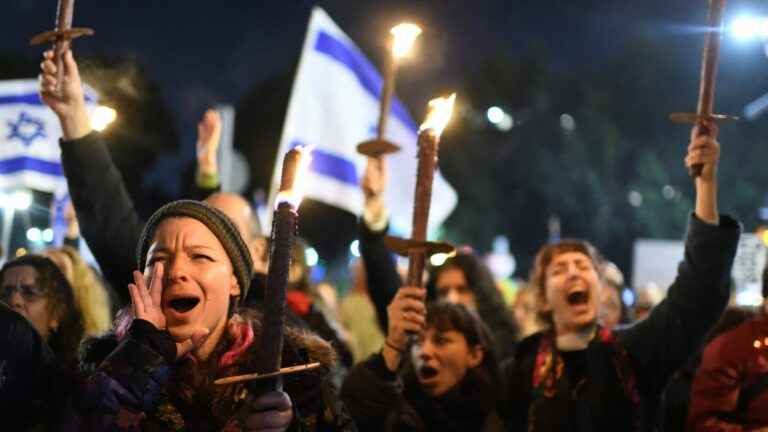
(372, 389)
(108, 219)
(705, 149)
(207, 176)
(381, 271)
(675, 329)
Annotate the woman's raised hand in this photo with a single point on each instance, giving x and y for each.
(147, 305)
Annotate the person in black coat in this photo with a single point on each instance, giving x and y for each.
(448, 381)
(25, 363)
(463, 279)
(580, 377)
(108, 220)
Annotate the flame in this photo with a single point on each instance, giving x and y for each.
(440, 111)
(295, 194)
(405, 35)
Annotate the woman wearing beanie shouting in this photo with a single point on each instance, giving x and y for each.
(186, 331)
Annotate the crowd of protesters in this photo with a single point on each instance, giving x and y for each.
(179, 303)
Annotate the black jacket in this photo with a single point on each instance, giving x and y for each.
(26, 373)
(654, 349)
(381, 400)
(380, 271)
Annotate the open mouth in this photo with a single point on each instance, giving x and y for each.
(426, 372)
(183, 304)
(577, 298)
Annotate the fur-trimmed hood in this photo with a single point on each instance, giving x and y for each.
(189, 396)
(312, 347)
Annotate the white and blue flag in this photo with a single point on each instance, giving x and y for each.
(334, 106)
(29, 139)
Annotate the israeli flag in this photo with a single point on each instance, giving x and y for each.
(29, 139)
(334, 106)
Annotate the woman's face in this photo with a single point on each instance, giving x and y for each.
(198, 279)
(442, 359)
(452, 287)
(572, 292)
(22, 292)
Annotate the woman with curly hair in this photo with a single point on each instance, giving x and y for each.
(91, 296)
(465, 279)
(33, 286)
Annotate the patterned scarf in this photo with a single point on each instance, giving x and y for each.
(549, 367)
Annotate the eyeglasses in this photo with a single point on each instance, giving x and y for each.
(28, 292)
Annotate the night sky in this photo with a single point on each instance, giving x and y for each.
(210, 52)
(204, 53)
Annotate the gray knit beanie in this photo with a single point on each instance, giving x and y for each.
(216, 221)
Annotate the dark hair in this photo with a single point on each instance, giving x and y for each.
(545, 256)
(490, 304)
(64, 342)
(444, 316)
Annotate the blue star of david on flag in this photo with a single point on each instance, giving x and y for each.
(26, 129)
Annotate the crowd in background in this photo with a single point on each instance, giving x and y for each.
(178, 302)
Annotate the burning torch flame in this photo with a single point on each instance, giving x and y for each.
(405, 34)
(440, 111)
(295, 192)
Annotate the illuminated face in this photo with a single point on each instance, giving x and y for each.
(22, 293)
(442, 359)
(572, 292)
(198, 277)
(452, 287)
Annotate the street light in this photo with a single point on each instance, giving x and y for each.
(311, 256)
(750, 27)
(354, 248)
(17, 200)
(499, 118)
(102, 117)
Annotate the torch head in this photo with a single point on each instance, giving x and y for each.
(405, 35)
(439, 114)
(292, 182)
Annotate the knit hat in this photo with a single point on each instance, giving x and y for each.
(216, 221)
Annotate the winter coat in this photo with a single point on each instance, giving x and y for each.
(142, 386)
(730, 389)
(619, 377)
(381, 400)
(26, 366)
